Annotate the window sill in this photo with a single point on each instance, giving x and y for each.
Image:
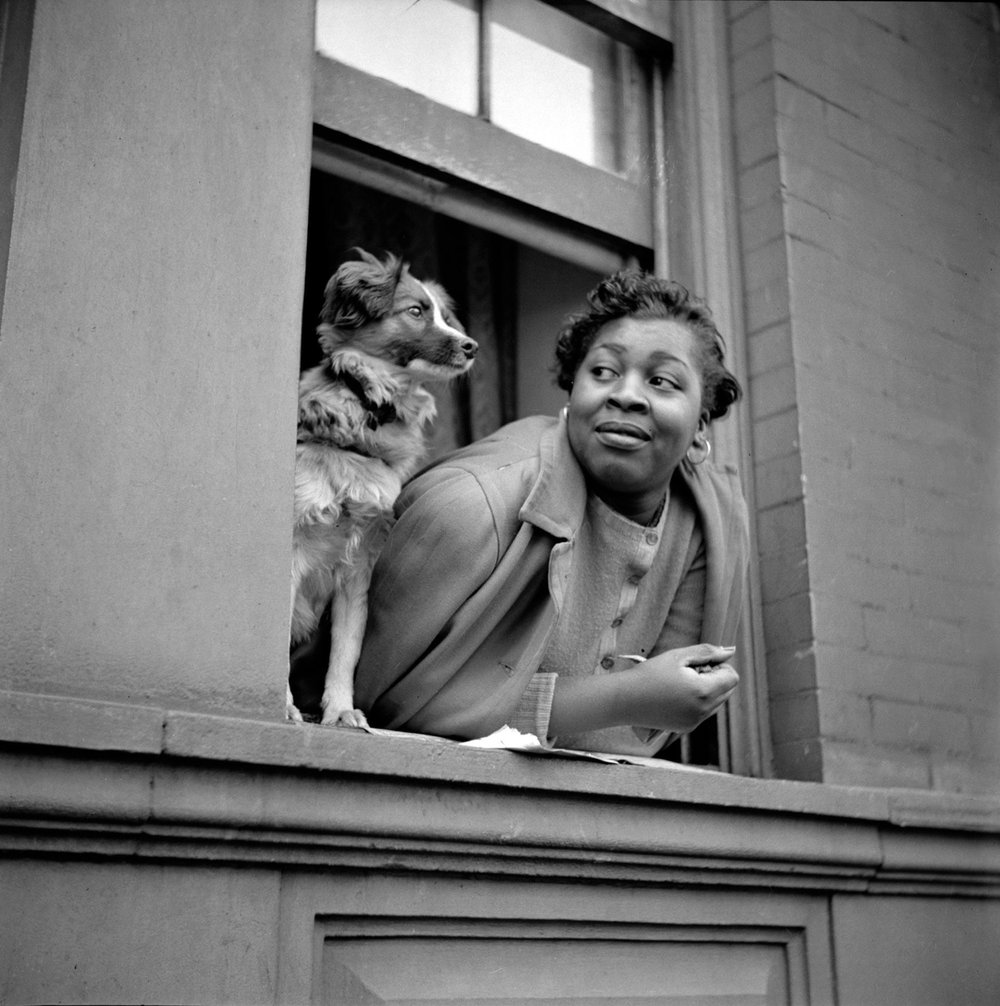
(175, 782)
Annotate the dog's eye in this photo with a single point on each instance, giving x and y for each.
(416, 311)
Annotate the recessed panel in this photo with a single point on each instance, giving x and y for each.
(526, 969)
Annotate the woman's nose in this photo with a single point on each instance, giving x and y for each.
(629, 394)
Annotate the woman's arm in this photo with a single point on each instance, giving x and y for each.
(442, 548)
(674, 691)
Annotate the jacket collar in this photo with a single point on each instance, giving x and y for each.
(558, 499)
(557, 502)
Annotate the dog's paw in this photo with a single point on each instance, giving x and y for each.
(344, 718)
(291, 709)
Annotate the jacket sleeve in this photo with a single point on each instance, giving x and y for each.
(442, 548)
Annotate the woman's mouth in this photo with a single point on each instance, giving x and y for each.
(622, 435)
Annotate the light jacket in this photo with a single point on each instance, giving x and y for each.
(468, 588)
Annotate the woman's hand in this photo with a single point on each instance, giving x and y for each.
(678, 689)
(674, 691)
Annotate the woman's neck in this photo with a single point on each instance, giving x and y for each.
(642, 508)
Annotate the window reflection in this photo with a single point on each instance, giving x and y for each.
(551, 79)
(556, 81)
(431, 46)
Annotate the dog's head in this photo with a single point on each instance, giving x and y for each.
(379, 308)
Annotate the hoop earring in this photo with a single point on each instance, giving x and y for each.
(706, 445)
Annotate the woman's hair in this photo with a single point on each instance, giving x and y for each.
(634, 294)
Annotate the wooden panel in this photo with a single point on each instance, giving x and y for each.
(406, 939)
(525, 966)
(407, 124)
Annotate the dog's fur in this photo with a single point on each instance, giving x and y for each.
(361, 419)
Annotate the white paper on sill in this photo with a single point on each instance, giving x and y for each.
(509, 739)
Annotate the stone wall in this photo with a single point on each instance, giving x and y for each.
(149, 352)
(867, 144)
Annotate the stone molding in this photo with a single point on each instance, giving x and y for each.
(83, 778)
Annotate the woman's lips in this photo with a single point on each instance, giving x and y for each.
(621, 435)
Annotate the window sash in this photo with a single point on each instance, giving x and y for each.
(353, 104)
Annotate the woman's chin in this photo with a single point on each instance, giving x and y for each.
(624, 483)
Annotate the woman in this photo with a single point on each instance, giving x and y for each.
(530, 573)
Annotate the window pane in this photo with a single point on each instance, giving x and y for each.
(430, 47)
(557, 82)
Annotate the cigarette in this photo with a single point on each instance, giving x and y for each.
(635, 657)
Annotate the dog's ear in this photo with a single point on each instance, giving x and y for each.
(359, 292)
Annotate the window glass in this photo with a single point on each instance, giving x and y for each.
(557, 81)
(549, 78)
(430, 46)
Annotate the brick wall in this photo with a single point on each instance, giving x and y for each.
(867, 139)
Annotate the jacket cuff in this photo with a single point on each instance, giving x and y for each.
(532, 713)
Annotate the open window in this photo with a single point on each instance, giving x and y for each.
(510, 150)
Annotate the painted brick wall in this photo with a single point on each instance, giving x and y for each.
(867, 139)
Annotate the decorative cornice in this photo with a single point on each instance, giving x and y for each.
(81, 778)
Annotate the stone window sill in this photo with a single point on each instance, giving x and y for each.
(81, 777)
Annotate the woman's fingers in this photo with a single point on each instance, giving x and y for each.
(721, 680)
(704, 654)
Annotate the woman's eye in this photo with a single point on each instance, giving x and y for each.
(659, 381)
(602, 373)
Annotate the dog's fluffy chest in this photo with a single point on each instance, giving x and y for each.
(360, 437)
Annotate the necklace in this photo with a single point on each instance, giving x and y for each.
(655, 519)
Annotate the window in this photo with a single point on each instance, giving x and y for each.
(530, 69)
(379, 91)
(505, 149)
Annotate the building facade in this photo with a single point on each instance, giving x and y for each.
(179, 178)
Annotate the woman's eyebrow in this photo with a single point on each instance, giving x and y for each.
(662, 356)
(655, 358)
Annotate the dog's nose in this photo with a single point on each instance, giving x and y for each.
(470, 347)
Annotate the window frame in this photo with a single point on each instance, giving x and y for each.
(463, 166)
(351, 104)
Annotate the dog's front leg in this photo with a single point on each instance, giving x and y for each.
(348, 615)
(291, 709)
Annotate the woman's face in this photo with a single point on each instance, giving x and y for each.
(634, 410)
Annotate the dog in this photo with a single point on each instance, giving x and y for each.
(362, 414)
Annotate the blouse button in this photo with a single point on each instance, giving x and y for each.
(651, 538)
(615, 623)
(635, 578)
(607, 663)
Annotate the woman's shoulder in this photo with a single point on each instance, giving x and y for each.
(498, 469)
(717, 494)
(517, 441)
(718, 481)
(496, 457)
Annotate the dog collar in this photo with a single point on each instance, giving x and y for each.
(378, 415)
